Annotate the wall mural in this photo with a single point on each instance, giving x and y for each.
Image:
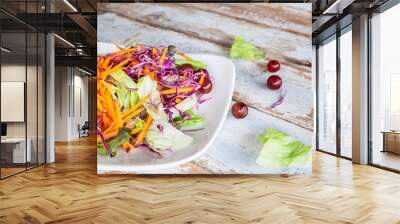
(201, 88)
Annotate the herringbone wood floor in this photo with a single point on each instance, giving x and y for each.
(70, 191)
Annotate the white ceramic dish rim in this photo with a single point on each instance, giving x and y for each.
(104, 168)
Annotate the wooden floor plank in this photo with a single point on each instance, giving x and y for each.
(70, 191)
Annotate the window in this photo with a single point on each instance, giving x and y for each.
(327, 96)
(346, 93)
(394, 117)
(22, 77)
(385, 89)
(333, 137)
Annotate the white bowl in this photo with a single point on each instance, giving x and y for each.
(222, 71)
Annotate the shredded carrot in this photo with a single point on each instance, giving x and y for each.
(110, 107)
(173, 90)
(127, 146)
(126, 116)
(135, 131)
(201, 80)
(118, 114)
(118, 122)
(164, 53)
(100, 106)
(151, 74)
(146, 71)
(133, 114)
(110, 129)
(111, 134)
(116, 67)
(184, 56)
(100, 63)
(119, 53)
(120, 65)
(137, 105)
(178, 100)
(142, 133)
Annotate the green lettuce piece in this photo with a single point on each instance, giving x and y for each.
(186, 104)
(153, 105)
(271, 134)
(195, 64)
(162, 135)
(139, 123)
(121, 138)
(125, 89)
(111, 88)
(136, 122)
(132, 99)
(282, 151)
(245, 50)
(122, 95)
(194, 123)
(123, 79)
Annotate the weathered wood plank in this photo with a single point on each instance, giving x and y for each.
(218, 29)
(297, 108)
(278, 16)
(70, 191)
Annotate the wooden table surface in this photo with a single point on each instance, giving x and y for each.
(282, 31)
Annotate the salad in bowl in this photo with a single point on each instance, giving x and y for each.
(148, 99)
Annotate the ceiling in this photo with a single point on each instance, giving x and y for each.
(332, 15)
(75, 22)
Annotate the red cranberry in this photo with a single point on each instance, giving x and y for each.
(206, 87)
(239, 110)
(273, 66)
(274, 82)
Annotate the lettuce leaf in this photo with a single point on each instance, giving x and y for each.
(153, 105)
(162, 135)
(136, 122)
(121, 138)
(194, 63)
(195, 122)
(245, 50)
(187, 104)
(132, 99)
(122, 78)
(282, 151)
(125, 89)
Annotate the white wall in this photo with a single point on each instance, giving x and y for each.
(61, 103)
(33, 127)
(79, 117)
(13, 73)
(314, 83)
(70, 83)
